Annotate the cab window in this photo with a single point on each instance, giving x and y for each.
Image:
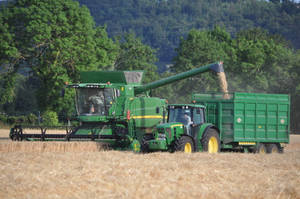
(198, 116)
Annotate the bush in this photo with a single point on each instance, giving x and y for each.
(12, 120)
(50, 118)
(21, 119)
(31, 118)
(3, 118)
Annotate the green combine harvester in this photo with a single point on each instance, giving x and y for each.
(113, 107)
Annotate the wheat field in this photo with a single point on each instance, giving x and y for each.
(86, 170)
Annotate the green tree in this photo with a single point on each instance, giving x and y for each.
(161, 23)
(201, 48)
(265, 59)
(24, 101)
(134, 55)
(55, 39)
(254, 61)
(8, 53)
(50, 118)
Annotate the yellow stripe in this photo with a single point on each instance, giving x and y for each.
(147, 117)
(246, 143)
(176, 125)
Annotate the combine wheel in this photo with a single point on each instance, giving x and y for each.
(261, 149)
(144, 144)
(273, 148)
(211, 141)
(185, 144)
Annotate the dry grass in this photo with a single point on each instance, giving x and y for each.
(4, 133)
(80, 170)
(50, 147)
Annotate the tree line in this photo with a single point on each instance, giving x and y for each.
(161, 23)
(45, 44)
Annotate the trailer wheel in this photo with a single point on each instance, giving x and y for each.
(273, 148)
(211, 141)
(261, 148)
(184, 144)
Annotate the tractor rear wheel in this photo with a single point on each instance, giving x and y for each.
(185, 144)
(211, 141)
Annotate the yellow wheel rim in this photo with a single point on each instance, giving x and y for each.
(188, 148)
(274, 149)
(262, 150)
(213, 145)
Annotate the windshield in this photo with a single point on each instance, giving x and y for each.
(94, 101)
(179, 114)
(186, 115)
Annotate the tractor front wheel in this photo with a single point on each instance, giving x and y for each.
(185, 144)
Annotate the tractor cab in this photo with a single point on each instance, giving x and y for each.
(189, 115)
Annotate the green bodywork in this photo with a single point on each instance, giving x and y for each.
(168, 133)
(248, 118)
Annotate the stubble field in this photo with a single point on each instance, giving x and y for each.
(86, 170)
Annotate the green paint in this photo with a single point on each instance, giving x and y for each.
(248, 117)
(158, 145)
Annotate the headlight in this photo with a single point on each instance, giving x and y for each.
(161, 136)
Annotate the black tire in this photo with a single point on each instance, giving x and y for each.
(184, 144)
(16, 134)
(261, 148)
(144, 143)
(211, 141)
(274, 148)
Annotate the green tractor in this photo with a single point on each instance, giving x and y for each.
(186, 130)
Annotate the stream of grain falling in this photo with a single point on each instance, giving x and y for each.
(223, 84)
